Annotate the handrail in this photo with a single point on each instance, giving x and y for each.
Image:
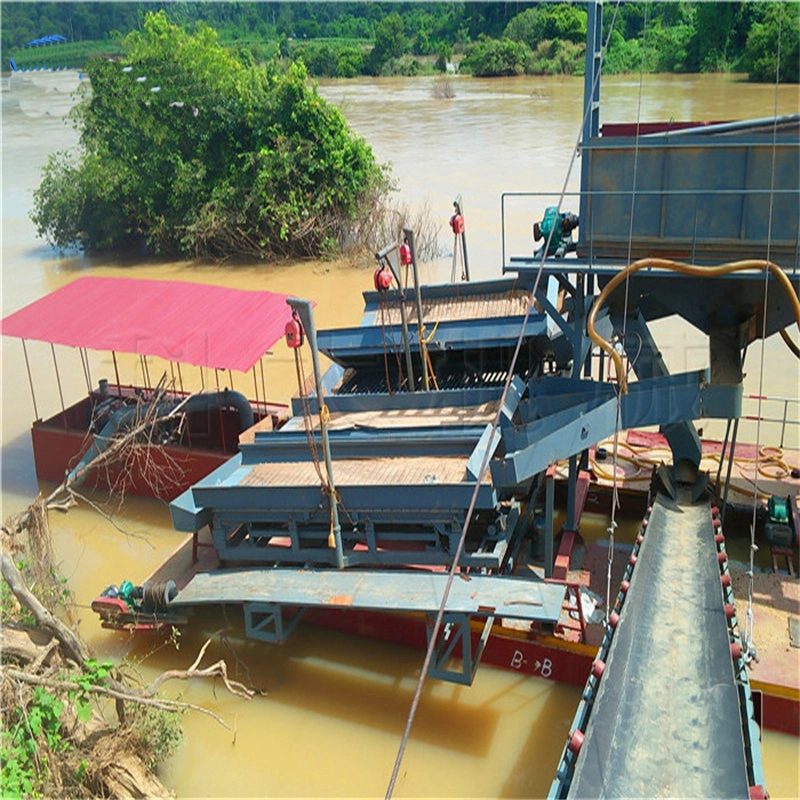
(605, 194)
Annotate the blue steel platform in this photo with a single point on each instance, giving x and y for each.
(666, 718)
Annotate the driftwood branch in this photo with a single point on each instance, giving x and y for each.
(20, 645)
(217, 670)
(68, 640)
(128, 696)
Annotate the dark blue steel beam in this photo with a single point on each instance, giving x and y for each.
(532, 447)
(707, 303)
(549, 395)
(268, 554)
(432, 518)
(430, 497)
(490, 442)
(579, 428)
(645, 357)
(400, 401)
(293, 446)
(346, 344)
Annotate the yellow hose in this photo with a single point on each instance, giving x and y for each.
(789, 343)
(769, 457)
(686, 269)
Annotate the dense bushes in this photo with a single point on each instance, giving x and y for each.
(495, 58)
(189, 152)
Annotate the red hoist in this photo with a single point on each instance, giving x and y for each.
(457, 224)
(382, 279)
(294, 332)
(405, 254)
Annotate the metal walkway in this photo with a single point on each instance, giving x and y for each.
(275, 599)
(378, 590)
(666, 719)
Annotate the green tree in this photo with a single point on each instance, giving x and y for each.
(761, 53)
(709, 48)
(491, 58)
(550, 21)
(444, 54)
(622, 55)
(193, 153)
(390, 41)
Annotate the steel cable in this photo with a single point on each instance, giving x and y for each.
(486, 456)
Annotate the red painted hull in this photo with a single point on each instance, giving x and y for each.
(543, 656)
(162, 471)
(173, 468)
(540, 655)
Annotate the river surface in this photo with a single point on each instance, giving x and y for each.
(331, 721)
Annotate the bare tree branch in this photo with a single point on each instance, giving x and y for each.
(68, 640)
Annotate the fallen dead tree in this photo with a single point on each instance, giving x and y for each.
(73, 725)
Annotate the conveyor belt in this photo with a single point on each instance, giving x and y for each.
(666, 720)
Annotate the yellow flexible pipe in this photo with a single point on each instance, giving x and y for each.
(789, 343)
(686, 269)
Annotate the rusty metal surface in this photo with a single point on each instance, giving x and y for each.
(412, 418)
(393, 590)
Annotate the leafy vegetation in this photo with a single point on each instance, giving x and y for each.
(26, 738)
(781, 23)
(189, 151)
(496, 57)
(343, 39)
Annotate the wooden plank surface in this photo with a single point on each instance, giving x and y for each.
(454, 308)
(409, 471)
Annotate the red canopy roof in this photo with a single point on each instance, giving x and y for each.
(209, 326)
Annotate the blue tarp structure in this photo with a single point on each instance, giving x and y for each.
(54, 39)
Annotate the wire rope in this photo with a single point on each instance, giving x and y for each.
(749, 628)
(488, 450)
(618, 414)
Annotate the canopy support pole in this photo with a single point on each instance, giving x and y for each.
(116, 371)
(146, 366)
(180, 376)
(263, 385)
(58, 382)
(30, 381)
(255, 384)
(86, 371)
